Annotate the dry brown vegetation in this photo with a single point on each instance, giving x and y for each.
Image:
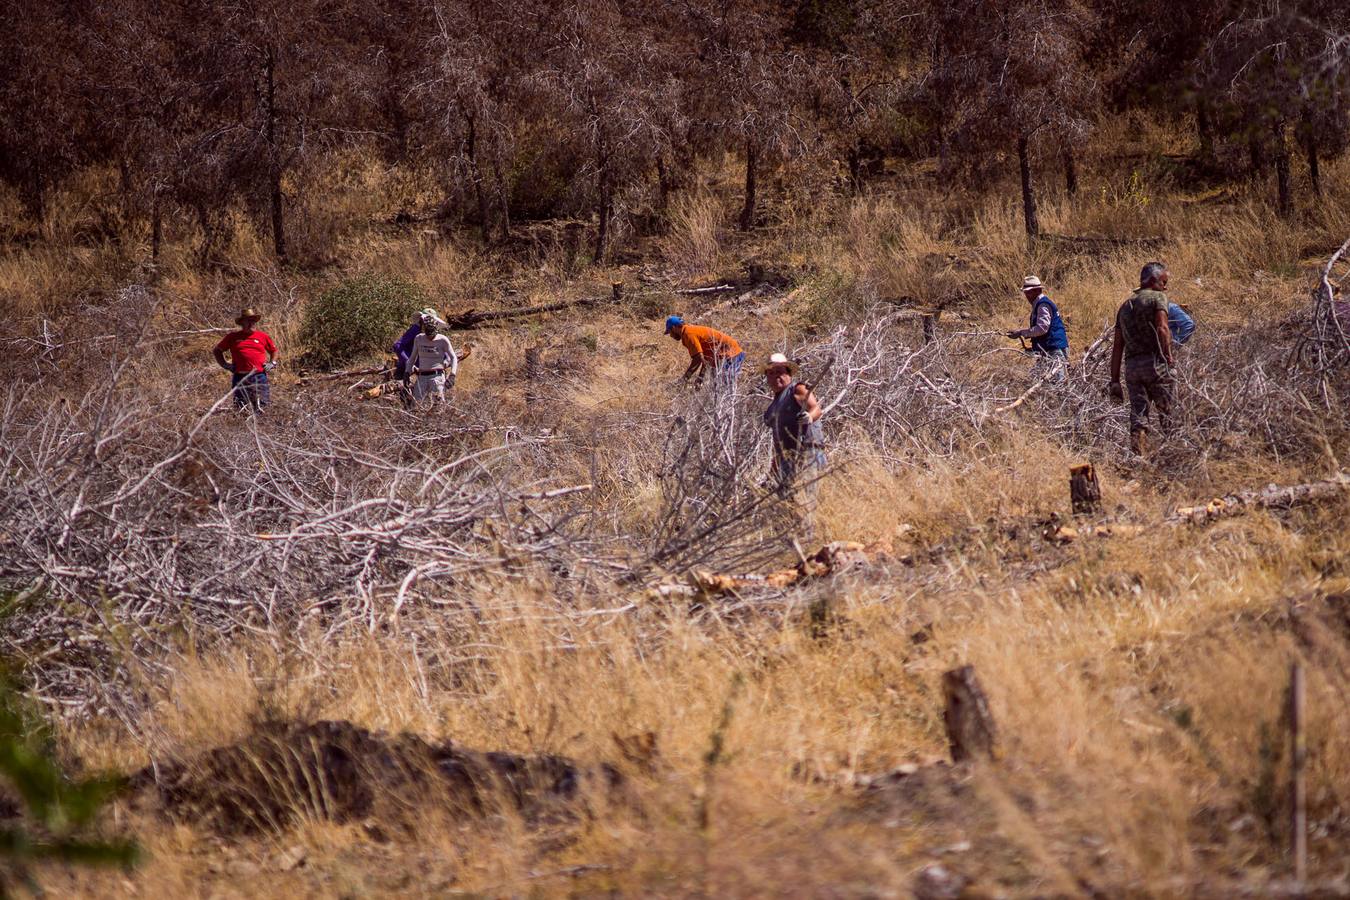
(1136, 681)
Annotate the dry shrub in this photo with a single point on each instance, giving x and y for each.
(693, 240)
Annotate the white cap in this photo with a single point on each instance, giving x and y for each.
(1031, 281)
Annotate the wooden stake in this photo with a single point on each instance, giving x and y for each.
(930, 323)
(533, 374)
(1084, 492)
(1298, 788)
(969, 724)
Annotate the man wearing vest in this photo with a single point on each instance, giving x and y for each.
(1049, 339)
(1144, 342)
(793, 417)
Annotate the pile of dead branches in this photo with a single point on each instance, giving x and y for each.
(126, 527)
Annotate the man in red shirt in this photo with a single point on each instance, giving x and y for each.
(252, 354)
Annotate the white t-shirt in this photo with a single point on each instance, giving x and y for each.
(433, 353)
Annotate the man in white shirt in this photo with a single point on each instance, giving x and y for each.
(433, 361)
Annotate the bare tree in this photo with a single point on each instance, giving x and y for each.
(1010, 74)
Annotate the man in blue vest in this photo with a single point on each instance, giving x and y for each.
(1049, 340)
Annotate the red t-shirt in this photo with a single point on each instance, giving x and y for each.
(248, 350)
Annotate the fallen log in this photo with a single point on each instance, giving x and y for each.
(473, 318)
(1269, 497)
(831, 559)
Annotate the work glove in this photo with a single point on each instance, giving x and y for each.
(1013, 334)
(1114, 391)
(269, 365)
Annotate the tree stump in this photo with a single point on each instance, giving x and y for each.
(1084, 492)
(970, 725)
(930, 323)
(616, 291)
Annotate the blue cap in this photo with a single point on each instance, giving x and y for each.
(673, 322)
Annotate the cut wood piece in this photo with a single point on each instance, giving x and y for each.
(1271, 497)
(1085, 494)
(969, 724)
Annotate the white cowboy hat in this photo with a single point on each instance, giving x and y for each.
(780, 359)
(1031, 281)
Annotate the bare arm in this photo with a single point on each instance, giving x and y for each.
(220, 359)
(806, 399)
(1117, 353)
(1164, 334)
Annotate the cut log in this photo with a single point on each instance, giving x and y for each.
(1085, 494)
(1271, 497)
(969, 724)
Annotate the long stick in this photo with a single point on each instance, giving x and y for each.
(1298, 811)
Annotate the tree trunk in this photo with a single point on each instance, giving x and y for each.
(1314, 166)
(1256, 158)
(476, 175)
(1284, 196)
(602, 232)
(156, 227)
(503, 198)
(663, 182)
(1204, 129)
(1033, 224)
(1070, 173)
(274, 162)
(751, 173)
(128, 192)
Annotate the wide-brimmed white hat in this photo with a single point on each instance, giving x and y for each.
(1031, 281)
(431, 314)
(780, 359)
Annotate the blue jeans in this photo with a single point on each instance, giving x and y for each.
(250, 390)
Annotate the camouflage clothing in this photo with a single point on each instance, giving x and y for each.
(1148, 380)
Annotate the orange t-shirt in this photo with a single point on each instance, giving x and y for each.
(700, 340)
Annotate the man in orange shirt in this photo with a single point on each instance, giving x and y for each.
(708, 349)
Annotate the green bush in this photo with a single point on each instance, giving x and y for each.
(56, 821)
(360, 316)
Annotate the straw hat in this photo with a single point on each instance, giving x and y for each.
(780, 359)
(247, 314)
(1031, 281)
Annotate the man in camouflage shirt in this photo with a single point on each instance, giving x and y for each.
(1143, 341)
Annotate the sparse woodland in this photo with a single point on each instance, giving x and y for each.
(559, 638)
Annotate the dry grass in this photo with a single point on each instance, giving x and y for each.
(1136, 681)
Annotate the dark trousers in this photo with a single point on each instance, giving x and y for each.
(250, 390)
(1148, 387)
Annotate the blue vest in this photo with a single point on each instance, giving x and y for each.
(1054, 339)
